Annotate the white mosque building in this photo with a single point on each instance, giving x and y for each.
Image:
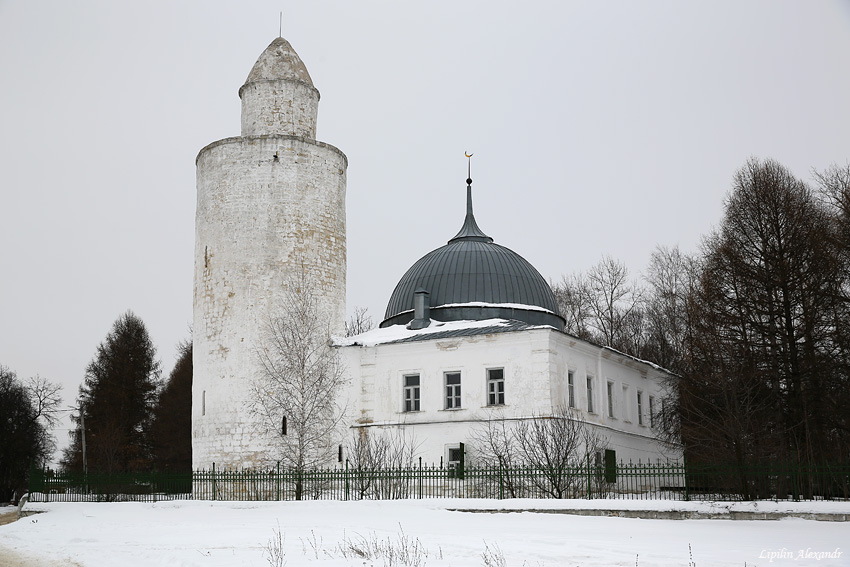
(471, 332)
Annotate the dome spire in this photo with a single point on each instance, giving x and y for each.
(470, 230)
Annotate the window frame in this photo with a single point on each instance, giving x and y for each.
(590, 386)
(609, 388)
(640, 407)
(411, 393)
(626, 409)
(493, 393)
(571, 389)
(452, 391)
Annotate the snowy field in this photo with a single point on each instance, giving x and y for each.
(329, 534)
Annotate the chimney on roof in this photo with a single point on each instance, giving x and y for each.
(421, 310)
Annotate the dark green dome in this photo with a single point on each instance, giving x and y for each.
(472, 278)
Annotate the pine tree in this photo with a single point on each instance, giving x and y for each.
(172, 423)
(116, 402)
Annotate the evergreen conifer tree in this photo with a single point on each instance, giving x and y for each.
(116, 401)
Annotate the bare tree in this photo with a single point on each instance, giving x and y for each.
(45, 399)
(555, 446)
(614, 304)
(572, 294)
(359, 322)
(496, 444)
(297, 395)
(372, 452)
(834, 185)
(27, 413)
(671, 279)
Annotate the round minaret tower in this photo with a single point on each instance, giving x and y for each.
(269, 202)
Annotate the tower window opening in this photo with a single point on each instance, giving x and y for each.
(283, 426)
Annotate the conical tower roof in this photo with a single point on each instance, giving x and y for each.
(279, 62)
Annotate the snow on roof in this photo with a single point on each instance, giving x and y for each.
(636, 359)
(485, 304)
(437, 329)
(502, 305)
(440, 330)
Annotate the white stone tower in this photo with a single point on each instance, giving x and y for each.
(269, 201)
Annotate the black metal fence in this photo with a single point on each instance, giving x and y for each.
(666, 481)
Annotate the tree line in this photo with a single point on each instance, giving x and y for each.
(756, 323)
(127, 418)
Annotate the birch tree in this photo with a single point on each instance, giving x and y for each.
(296, 397)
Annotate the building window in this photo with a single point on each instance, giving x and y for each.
(496, 387)
(651, 411)
(610, 399)
(204, 402)
(640, 407)
(411, 392)
(590, 394)
(571, 389)
(452, 390)
(627, 409)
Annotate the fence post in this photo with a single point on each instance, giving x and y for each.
(588, 493)
(685, 474)
(420, 478)
(213, 480)
(347, 495)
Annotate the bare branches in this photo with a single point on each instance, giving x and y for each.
(556, 445)
(27, 412)
(671, 279)
(603, 306)
(572, 294)
(614, 303)
(359, 322)
(297, 396)
(45, 399)
(371, 451)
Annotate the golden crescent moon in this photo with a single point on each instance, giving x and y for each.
(466, 154)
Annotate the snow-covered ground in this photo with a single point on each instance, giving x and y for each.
(325, 533)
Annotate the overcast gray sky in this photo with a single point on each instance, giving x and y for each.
(597, 128)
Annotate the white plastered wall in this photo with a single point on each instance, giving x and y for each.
(535, 364)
